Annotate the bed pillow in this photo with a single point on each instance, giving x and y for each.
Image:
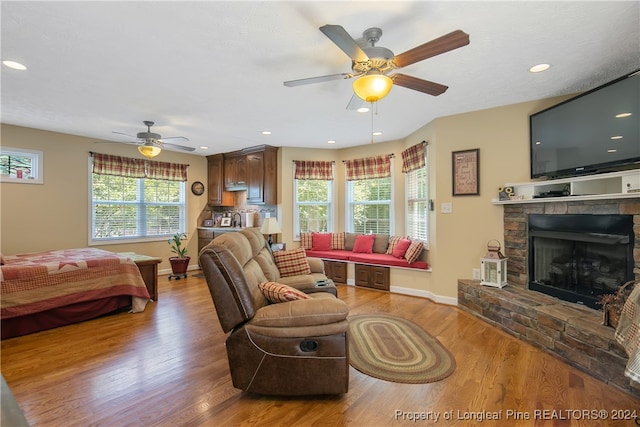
(414, 251)
(276, 292)
(306, 240)
(364, 243)
(321, 241)
(337, 241)
(292, 262)
(400, 249)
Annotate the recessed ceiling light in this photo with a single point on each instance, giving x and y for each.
(616, 137)
(14, 65)
(611, 151)
(331, 141)
(363, 110)
(376, 133)
(202, 147)
(538, 142)
(622, 115)
(539, 68)
(266, 132)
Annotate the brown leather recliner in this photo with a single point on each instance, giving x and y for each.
(291, 348)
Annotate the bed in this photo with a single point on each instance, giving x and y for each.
(45, 290)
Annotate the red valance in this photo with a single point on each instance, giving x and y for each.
(107, 164)
(413, 158)
(314, 169)
(368, 168)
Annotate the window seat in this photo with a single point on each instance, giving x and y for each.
(364, 258)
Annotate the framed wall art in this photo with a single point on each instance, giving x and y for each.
(466, 172)
(225, 222)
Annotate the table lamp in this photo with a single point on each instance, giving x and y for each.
(270, 226)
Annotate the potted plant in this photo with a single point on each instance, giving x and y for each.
(612, 305)
(180, 262)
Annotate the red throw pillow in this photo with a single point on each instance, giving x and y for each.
(364, 243)
(401, 248)
(321, 241)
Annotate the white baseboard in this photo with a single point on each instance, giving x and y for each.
(424, 294)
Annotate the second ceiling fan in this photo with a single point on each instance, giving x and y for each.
(371, 64)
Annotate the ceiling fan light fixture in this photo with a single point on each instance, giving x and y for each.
(372, 87)
(149, 151)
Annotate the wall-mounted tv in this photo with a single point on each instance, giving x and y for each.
(597, 131)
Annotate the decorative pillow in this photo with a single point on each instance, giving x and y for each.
(349, 241)
(337, 241)
(276, 292)
(413, 252)
(380, 244)
(401, 248)
(393, 241)
(292, 262)
(364, 243)
(306, 240)
(321, 241)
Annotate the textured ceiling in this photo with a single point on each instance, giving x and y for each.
(213, 71)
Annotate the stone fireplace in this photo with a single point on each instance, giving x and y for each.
(568, 330)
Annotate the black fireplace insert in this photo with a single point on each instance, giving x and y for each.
(577, 258)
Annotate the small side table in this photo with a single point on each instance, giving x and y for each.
(148, 267)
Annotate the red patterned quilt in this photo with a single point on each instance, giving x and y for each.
(36, 282)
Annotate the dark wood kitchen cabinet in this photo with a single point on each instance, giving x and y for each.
(261, 174)
(235, 171)
(217, 196)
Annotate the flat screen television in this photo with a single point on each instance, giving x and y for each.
(597, 131)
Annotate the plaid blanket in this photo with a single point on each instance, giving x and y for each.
(35, 282)
(628, 333)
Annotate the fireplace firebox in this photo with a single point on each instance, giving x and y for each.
(577, 258)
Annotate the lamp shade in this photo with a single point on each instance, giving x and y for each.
(372, 87)
(270, 226)
(149, 151)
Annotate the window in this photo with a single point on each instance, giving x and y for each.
(369, 206)
(20, 165)
(124, 209)
(417, 188)
(312, 205)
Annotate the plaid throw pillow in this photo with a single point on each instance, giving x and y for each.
(393, 241)
(276, 292)
(413, 252)
(292, 262)
(306, 240)
(337, 241)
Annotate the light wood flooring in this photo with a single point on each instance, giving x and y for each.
(168, 367)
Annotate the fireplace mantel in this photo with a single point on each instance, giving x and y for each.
(614, 185)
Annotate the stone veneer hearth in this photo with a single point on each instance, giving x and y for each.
(569, 331)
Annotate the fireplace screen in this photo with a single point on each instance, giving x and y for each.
(580, 257)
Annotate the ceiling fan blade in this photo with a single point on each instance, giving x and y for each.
(184, 138)
(355, 102)
(344, 41)
(320, 79)
(125, 134)
(453, 40)
(180, 147)
(420, 85)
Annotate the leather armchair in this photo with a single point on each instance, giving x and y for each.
(290, 348)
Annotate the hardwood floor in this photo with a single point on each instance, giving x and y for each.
(167, 367)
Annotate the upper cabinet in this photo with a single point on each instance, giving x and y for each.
(217, 195)
(252, 169)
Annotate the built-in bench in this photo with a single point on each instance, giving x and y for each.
(364, 258)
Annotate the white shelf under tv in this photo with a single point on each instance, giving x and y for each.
(613, 185)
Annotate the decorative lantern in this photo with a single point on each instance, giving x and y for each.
(493, 267)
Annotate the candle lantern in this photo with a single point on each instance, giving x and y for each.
(493, 266)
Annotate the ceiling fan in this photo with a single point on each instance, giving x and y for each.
(371, 64)
(150, 143)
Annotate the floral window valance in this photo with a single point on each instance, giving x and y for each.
(368, 168)
(314, 169)
(107, 164)
(413, 158)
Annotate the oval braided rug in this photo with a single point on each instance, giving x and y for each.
(397, 350)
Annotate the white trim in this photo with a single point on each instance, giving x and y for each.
(424, 294)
